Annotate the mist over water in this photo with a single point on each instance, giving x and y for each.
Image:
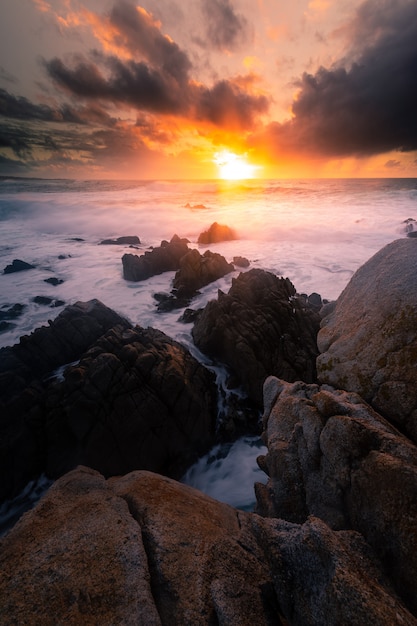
(315, 232)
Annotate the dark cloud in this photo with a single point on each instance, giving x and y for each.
(367, 106)
(138, 32)
(227, 105)
(225, 28)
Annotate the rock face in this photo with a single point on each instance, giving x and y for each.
(144, 549)
(136, 399)
(369, 341)
(332, 456)
(198, 270)
(128, 240)
(216, 233)
(166, 258)
(260, 329)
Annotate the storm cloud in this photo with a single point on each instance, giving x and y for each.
(367, 105)
(225, 28)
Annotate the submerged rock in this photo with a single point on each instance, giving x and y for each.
(166, 258)
(144, 549)
(332, 456)
(260, 328)
(122, 241)
(18, 266)
(368, 342)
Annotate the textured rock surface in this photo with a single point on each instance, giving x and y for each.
(198, 270)
(260, 329)
(166, 258)
(332, 456)
(137, 399)
(144, 549)
(369, 341)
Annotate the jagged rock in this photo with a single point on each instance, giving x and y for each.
(241, 261)
(198, 270)
(144, 549)
(11, 312)
(53, 281)
(332, 456)
(18, 266)
(47, 301)
(259, 329)
(121, 241)
(166, 258)
(369, 341)
(136, 400)
(216, 233)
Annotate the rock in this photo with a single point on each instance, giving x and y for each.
(24, 371)
(166, 258)
(241, 261)
(11, 312)
(216, 233)
(332, 456)
(144, 549)
(259, 329)
(53, 281)
(47, 301)
(189, 316)
(198, 270)
(369, 341)
(121, 241)
(136, 400)
(18, 266)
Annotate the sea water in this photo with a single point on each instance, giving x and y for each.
(315, 232)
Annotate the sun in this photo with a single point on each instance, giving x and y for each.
(233, 166)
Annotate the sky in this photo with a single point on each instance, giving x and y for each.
(206, 88)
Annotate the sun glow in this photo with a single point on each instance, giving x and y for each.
(233, 166)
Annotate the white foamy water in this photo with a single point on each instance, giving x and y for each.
(315, 232)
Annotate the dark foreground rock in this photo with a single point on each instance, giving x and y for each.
(216, 233)
(166, 258)
(369, 340)
(332, 456)
(260, 328)
(144, 549)
(135, 400)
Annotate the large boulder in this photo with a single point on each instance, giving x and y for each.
(260, 328)
(144, 549)
(332, 456)
(137, 399)
(198, 270)
(368, 342)
(166, 258)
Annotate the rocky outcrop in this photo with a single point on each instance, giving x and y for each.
(258, 329)
(136, 399)
(332, 456)
(166, 258)
(198, 270)
(144, 549)
(369, 340)
(216, 233)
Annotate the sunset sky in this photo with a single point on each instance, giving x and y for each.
(192, 88)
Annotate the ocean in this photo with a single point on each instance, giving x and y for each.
(315, 232)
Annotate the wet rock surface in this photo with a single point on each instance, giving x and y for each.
(166, 258)
(260, 328)
(18, 266)
(131, 399)
(216, 233)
